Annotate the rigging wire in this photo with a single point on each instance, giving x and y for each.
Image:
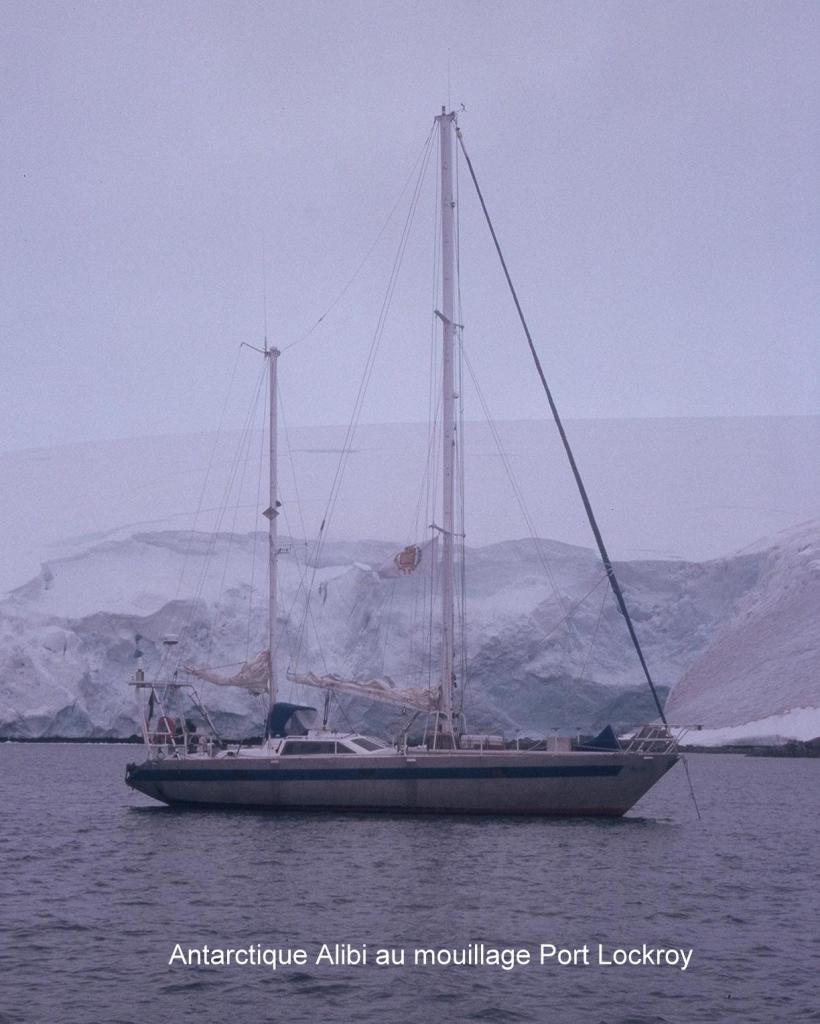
(425, 515)
(364, 382)
(613, 580)
(424, 596)
(289, 449)
(518, 494)
(572, 609)
(255, 535)
(369, 252)
(225, 506)
(610, 570)
(583, 668)
(460, 452)
(199, 508)
(434, 453)
(685, 764)
(244, 461)
(302, 569)
(496, 434)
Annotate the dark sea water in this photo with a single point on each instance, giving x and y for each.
(98, 884)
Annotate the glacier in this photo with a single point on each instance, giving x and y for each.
(102, 543)
(732, 638)
(764, 660)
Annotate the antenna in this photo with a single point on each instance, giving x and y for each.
(265, 285)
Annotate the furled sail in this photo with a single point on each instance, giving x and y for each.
(384, 690)
(254, 675)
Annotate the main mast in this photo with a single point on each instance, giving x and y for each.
(272, 514)
(446, 123)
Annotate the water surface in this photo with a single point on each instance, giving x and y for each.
(98, 884)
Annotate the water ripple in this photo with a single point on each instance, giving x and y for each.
(98, 885)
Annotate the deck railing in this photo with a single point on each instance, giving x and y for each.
(650, 739)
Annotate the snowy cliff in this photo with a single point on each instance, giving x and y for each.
(764, 660)
(733, 637)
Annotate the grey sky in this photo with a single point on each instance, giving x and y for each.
(652, 169)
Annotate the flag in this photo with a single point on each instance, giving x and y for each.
(415, 558)
(408, 559)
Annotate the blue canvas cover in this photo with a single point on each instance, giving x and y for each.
(290, 719)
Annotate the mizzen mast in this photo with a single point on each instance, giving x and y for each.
(446, 123)
(272, 515)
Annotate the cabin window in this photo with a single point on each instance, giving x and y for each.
(368, 744)
(309, 747)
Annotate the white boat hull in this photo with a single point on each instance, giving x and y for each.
(451, 782)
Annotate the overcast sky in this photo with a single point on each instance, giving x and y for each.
(652, 169)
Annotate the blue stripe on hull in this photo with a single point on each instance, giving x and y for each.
(236, 774)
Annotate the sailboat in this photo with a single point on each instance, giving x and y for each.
(300, 765)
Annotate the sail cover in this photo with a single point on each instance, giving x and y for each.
(254, 675)
(384, 690)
